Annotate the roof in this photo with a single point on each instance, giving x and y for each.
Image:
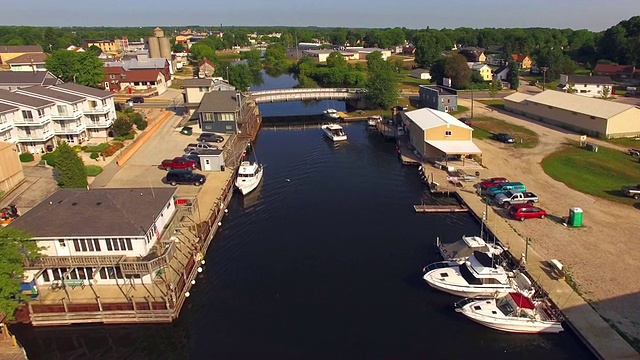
(83, 90)
(22, 77)
(141, 75)
(135, 64)
(429, 118)
(95, 212)
(29, 58)
(517, 97)
(501, 69)
(442, 90)
(205, 61)
(579, 104)
(519, 57)
(476, 65)
(20, 49)
(197, 83)
(586, 79)
(614, 69)
(5, 108)
(219, 101)
(455, 146)
(30, 101)
(58, 95)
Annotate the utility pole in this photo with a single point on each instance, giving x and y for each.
(472, 102)
(544, 76)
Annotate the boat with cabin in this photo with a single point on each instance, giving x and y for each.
(332, 113)
(249, 176)
(460, 250)
(374, 120)
(334, 132)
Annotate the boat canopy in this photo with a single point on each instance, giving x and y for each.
(522, 301)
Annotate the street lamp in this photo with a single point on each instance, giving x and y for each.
(544, 76)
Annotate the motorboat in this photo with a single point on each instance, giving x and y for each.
(460, 250)
(513, 313)
(374, 120)
(249, 176)
(332, 113)
(334, 132)
(478, 276)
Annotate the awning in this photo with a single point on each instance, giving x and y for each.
(455, 147)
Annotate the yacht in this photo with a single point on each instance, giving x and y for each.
(512, 313)
(460, 250)
(478, 276)
(334, 132)
(374, 120)
(249, 176)
(332, 113)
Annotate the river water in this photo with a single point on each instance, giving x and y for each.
(322, 261)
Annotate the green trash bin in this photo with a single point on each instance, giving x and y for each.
(575, 217)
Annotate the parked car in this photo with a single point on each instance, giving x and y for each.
(632, 191)
(508, 198)
(504, 137)
(633, 152)
(491, 182)
(187, 130)
(136, 100)
(178, 163)
(524, 211)
(185, 177)
(207, 137)
(465, 121)
(508, 186)
(200, 146)
(193, 157)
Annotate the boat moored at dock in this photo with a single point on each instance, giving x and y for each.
(460, 250)
(249, 176)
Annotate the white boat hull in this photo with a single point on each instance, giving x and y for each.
(467, 291)
(247, 185)
(332, 136)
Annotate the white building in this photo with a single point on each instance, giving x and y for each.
(421, 74)
(590, 86)
(88, 235)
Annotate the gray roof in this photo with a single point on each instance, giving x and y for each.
(47, 92)
(82, 90)
(197, 83)
(219, 101)
(7, 96)
(28, 58)
(20, 49)
(586, 79)
(152, 63)
(22, 77)
(95, 212)
(5, 108)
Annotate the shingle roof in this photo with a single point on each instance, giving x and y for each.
(83, 90)
(5, 108)
(219, 101)
(518, 57)
(47, 92)
(427, 118)
(579, 104)
(20, 49)
(197, 83)
(7, 96)
(95, 212)
(586, 79)
(614, 69)
(29, 58)
(22, 77)
(141, 75)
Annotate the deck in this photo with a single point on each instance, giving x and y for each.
(440, 208)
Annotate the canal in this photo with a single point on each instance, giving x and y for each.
(322, 261)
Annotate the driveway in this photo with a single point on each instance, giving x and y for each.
(38, 185)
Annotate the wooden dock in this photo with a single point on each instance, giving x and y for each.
(440, 208)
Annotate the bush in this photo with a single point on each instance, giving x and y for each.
(112, 148)
(50, 158)
(77, 148)
(129, 136)
(26, 157)
(141, 125)
(95, 148)
(94, 155)
(122, 126)
(93, 170)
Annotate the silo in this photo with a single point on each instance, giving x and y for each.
(165, 48)
(157, 32)
(154, 47)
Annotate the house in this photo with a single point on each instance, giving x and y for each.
(28, 62)
(396, 49)
(483, 69)
(8, 52)
(409, 50)
(322, 55)
(584, 115)
(11, 174)
(219, 112)
(106, 46)
(194, 90)
(145, 81)
(591, 86)
(523, 61)
(438, 97)
(74, 48)
(438, 136)
(206, 68)
(363, 52)
(8, 115)
(421, 74)
(95, 236)
(142, 61)
(11, 80)
(33, 127)
(98, 108)
(495, 60)
(473, 54)
(501, 73)
(621, 71)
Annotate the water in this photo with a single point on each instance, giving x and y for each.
(322, 261)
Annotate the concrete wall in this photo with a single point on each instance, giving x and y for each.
(11, 174)
(440, 133)
(194, 95)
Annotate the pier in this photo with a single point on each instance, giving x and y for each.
(440, 208)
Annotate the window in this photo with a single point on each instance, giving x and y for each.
(93, 104)
(112, 76)
(86, 245)
(27, 115)
(40, 112)
(62, 110)
(119, 244)
(45, 276)
(447, 133)
(207, 116)
(110, 273)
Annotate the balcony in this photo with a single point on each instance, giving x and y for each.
(35, 136)
(63, 130)
(20, 121)
(67, 115)
(5, 125)
(97, 110)
(102, 124)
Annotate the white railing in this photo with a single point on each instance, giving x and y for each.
(307, 90)
(306, 94)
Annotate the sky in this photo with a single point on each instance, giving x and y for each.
(595, 15)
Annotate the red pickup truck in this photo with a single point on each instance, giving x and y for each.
(178, 163)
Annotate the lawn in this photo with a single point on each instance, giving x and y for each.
(461, 109)
(484, 126)
(410, 83)
(628, 142)
(601, 173)
(497, 103)
(93, 170)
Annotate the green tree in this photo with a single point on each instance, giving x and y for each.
(253, 57)
(428, 49)
(70, 168)
(95, 50)
(513, 76)
(454, 67)
(200, 51)
(571, 88)
(336, 60)
(177, 48)
(382, 82)
(15, 247)
(240, 76)
(606, 93)
(275, 56)
(494, 87)
(122, 126)
(81, 67)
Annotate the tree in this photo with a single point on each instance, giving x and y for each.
(275, 56)
(429, 47)
(240, 76)
(95, 50)
(80, 67)
(70, 168)
(571, 88)
(454, 67)
(513, 76)
(200, 51)
(336, 60)
(382, 83)
(606, 93)
(15, 247)
(122, 126)
(177, 48)
(494, 87)
(253, 57)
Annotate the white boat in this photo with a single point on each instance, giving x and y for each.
(478, 276)
(249, 176)
(460, 250)
(334, 132)
(332, 113)
(512, 313)
(374, 120)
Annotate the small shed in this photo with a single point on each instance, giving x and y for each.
(212, 160)
(422, 74)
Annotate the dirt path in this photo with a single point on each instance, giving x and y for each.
(602, 257)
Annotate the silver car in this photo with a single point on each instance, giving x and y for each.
(200, 146)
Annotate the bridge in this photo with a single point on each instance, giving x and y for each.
(280, 95)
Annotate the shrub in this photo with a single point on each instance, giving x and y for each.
(122, 126)
(141, 125)
(94, 155)
(112, 148)
(93, 170)
(26, 157)
(95, 148)
(129, 136)
(77, 148)
(50, 158)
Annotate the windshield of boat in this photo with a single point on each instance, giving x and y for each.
(338, 132)
(468, 276)
(505, 306)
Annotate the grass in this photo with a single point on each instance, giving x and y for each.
(628, 142)
(412, 84)
(524, 137)
(93, 170)
(601, 173)
(461, 109)
(95, 148)
(494, 103)
(176, 83)
(227, 56)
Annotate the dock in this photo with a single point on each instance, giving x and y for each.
(407, 155)
(440, 208)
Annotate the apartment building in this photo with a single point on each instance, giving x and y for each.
(32, 127)
(98, 108)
